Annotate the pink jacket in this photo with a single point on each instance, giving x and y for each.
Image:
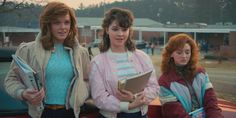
(103, 82)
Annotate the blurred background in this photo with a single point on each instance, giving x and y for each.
(212, 24)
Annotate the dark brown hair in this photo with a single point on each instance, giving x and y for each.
(125, 19)
(52, 11)
(176, 42)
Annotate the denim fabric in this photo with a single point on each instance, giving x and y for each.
(128, 115)
(62, 113)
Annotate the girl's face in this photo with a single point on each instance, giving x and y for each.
(60, 28)
(182, 56)
(118, 36)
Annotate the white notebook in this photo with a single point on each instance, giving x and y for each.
(135, 84)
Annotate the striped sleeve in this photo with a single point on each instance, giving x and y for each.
(166, 95)
(208, 84)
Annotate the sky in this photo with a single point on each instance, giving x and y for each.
(76, 3)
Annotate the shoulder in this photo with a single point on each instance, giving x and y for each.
(167, 78)
(99, 58)
(202, 74)
(83, 50)
(164, 80)
(201, 70)
(140, 53)
(26, 46)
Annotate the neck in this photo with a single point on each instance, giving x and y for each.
(118, 50)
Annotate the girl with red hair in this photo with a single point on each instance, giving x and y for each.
(185, 89)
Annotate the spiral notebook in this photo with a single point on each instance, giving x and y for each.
(27, 75)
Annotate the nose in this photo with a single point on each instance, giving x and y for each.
(63, 25)
(184, 55)
(120, 33)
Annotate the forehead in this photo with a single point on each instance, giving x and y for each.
(114, 23)
(62, 17)
(185, 46)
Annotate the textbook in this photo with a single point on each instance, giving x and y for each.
(27, 75)
(136, 83)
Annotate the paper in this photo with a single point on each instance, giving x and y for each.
(135, 84)
(199, 113)
(27, 75)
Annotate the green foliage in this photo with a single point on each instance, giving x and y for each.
(174, 11)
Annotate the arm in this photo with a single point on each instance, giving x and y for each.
(12, 83)
(102, 98)
(210, 101)
(152, 88)
(171, 107)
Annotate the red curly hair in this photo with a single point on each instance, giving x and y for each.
(175, 42)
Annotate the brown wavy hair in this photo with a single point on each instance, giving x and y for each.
(52, 11)
(175, 42)
(124, 18)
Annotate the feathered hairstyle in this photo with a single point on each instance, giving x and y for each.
(175, 42)
(52, 11)
(125, 19)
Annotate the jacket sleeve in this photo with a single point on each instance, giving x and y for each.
(210, 105)
(85, 63)
(171, 107)
(12, 83)
(152, 88)
(102, 98)
(210, 100)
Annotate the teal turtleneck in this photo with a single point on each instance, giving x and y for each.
(59, 73)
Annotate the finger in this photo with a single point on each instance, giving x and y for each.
(140, 94)
(125, 91)
(31, 91)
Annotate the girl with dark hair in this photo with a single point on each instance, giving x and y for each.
(119, 59)
(185, 89)
(61, 65)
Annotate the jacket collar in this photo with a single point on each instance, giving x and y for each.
(43, 55)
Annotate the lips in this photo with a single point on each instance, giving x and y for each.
(119, 38)
(62, 33)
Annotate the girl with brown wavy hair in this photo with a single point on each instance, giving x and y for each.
(120, 59)
(185, 89)
(61, 65)
(49, 16)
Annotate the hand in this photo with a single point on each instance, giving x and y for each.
(124, 95)
(140, 100)
(33, 96)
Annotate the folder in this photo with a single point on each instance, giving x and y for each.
(136, 83)
(27, 75)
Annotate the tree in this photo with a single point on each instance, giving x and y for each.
(13, 5)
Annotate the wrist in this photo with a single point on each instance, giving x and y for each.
(23, 96)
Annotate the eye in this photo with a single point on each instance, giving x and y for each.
(114, 29)
(55, 22)
(124, 29)
(187, 52)
(67, 22)
(179, 52)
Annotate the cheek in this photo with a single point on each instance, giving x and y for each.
(68, 26)
(176, 59)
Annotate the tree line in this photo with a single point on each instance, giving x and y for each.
(173, 11)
